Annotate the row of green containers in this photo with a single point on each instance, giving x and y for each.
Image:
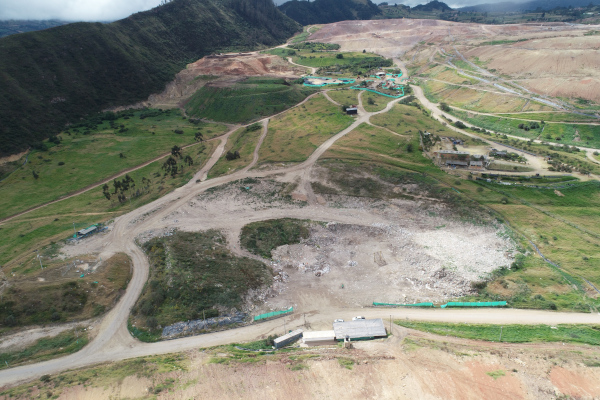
(449, 304)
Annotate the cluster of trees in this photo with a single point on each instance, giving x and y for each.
(315, 46)
(120, 187)
(358, 66)
(170, 166)
(232, 156)
(531, 125)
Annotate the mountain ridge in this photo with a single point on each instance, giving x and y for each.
(328, 11)
(56, 76)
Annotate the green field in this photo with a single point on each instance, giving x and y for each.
(373, 102)
(554, 116)
(471, 99)
(93, 152)
(334, 61)
(408, 120)
(346, 97)
(246, 101)
(244, 141)
(294, 135)
(46, 348)
(19, 237)
(588, 334)
(571, 134)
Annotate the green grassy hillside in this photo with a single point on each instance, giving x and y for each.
(245, 101)
(53, 77)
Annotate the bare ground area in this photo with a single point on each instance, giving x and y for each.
(381, 250)
(408, 365)
(554, 59)
(405, 261)
(224, 69)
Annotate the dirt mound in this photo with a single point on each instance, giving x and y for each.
(218, 70)
(243, 65)
(390, 263)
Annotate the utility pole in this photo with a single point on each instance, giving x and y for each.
(501, 332)
(390, 324)
(40, 259)
(284, 330)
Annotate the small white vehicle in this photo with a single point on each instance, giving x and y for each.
(357, 318)
(338, 320)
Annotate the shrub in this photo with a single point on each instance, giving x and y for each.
(460, 125)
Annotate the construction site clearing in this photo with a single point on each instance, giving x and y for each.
(453, 153)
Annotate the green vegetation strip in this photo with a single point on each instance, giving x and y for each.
(588, 334)
(45, 349)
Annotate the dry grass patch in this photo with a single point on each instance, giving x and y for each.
(373, 102)
(244, 141)
(345, 97)
(64, 290)
(294, 135)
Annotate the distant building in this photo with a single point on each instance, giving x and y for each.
(443, 155)
(476, 164)
(457, 163)
(352, 110)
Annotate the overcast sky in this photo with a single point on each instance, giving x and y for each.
(73, 10)
(110, 10)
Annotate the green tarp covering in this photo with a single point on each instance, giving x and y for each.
(273, 314)
(474, 304)
(403, 305)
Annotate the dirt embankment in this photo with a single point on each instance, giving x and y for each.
(223, 69)
(418, 367)
(549, 59)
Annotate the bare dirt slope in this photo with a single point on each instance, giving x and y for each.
(421, 366)
(549, 59)
(225, 68)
